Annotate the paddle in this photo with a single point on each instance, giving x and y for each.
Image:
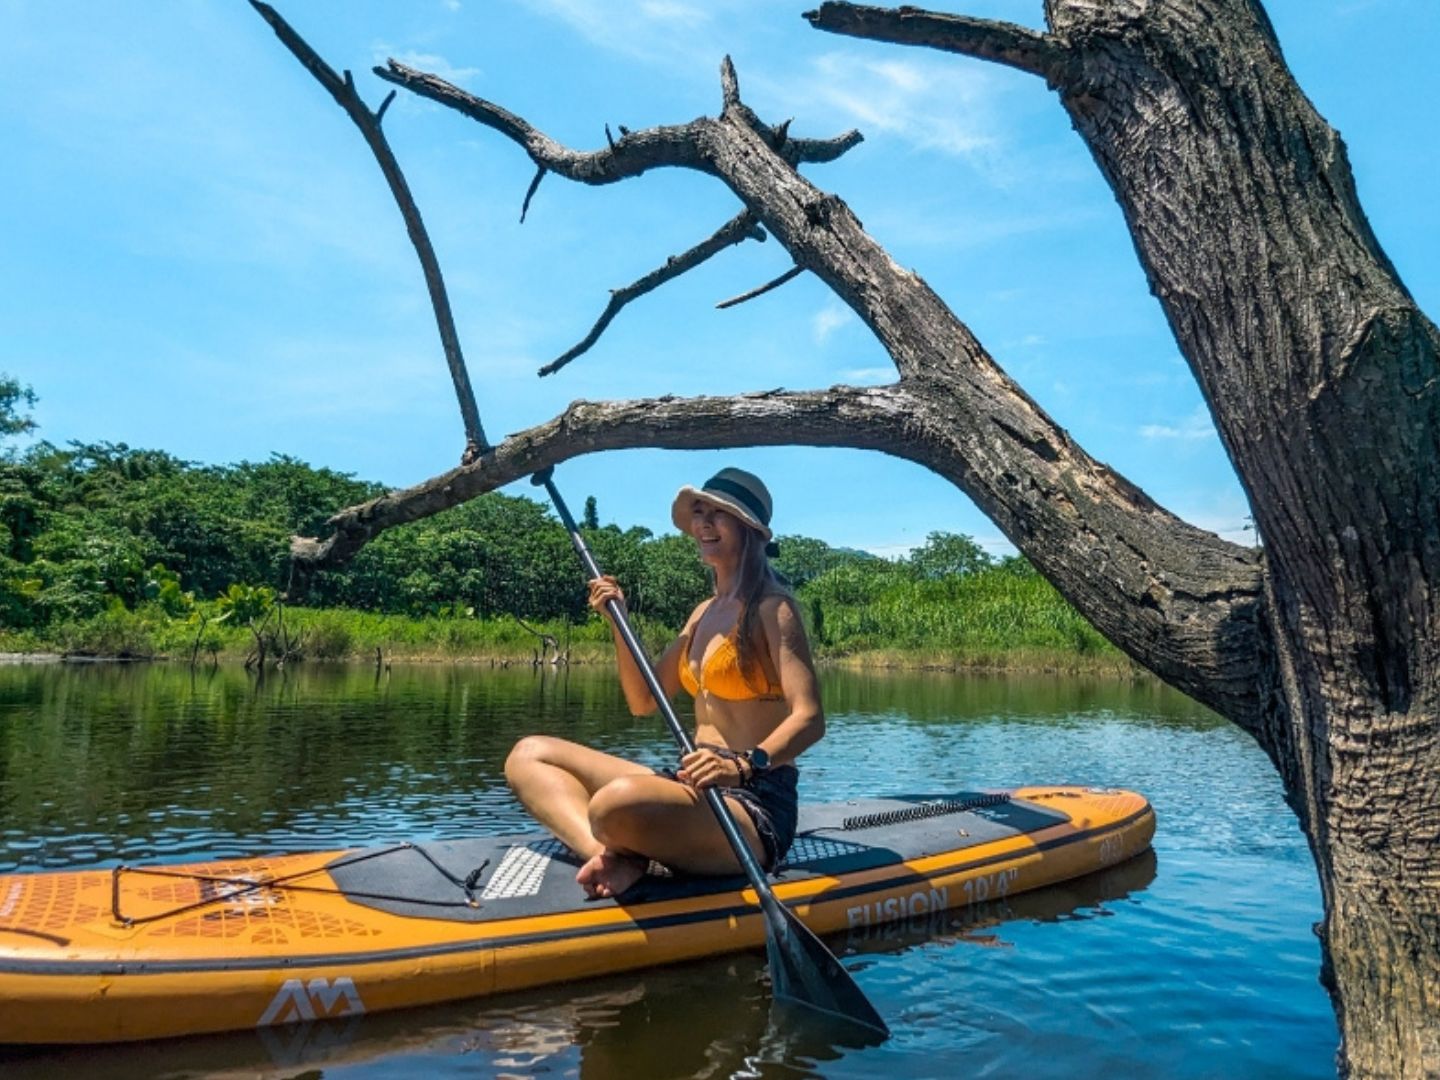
(802, 970)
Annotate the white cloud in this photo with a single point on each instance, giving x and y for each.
(930, 104)
(665, 33)
(994, 544)
(1193, 428)
(829, 319)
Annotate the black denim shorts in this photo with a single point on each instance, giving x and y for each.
(772, 801)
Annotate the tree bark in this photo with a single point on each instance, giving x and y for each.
(1323, 380)
(1322, 377)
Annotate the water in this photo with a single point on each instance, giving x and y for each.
(1196, 962)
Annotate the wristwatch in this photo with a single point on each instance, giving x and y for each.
(759, 758)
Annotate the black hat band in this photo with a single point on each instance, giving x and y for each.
(740, 494)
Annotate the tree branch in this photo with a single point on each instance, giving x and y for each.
(346, 96)
(1179, 599)
(634, 153)
(987, 39)
(729, 83)
(842, 416)
(530, 191)
(737, 229)
(1182, 602)
(630, 155)
(774, 283)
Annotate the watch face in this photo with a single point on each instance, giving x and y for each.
(759, 758)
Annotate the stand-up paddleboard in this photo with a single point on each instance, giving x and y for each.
(155, 951)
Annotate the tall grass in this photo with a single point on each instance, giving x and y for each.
(993, 618)
(328, 634)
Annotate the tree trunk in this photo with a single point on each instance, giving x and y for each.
(1323, 380)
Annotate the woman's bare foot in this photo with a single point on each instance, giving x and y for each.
(610, 873)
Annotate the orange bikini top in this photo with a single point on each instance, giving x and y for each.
(721, 674)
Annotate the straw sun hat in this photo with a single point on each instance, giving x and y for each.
(734, 490)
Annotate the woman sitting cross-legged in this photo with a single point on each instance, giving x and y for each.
(744, 656)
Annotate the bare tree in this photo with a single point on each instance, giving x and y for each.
(1320, 372)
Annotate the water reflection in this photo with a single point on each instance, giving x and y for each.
(1200, 964)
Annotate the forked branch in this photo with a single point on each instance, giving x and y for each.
(634, 153)
(1181, 601)
(630, 155)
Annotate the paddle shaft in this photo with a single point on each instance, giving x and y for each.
(722, 812)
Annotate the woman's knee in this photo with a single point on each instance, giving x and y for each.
(620, 810)
(529, 751)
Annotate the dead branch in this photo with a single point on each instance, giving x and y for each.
(987, 39)
(842, 416)
(739, 228)
(348, 98)
(1110, 549)
(775, 283)
(529, 192)
(634, 153)
(548, 643)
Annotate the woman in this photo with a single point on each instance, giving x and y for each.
(744, 657)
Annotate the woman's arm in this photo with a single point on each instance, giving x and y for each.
(804, 725)
(632, 682)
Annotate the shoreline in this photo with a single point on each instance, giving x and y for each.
(998, 662)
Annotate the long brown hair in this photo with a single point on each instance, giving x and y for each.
(756, 578)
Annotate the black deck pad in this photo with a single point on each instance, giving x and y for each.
(534, 874)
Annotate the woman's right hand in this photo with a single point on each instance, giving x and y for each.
(604, 589)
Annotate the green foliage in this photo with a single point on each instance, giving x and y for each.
(106, 549)
(115, 631)
(993, 609)
(162, 587)
(15, 397)
(670, 581)
(245, 603)
(946, 554)
(803, 559)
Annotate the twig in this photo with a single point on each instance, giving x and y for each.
(547, 641)
(530, 193)
(345, 95)
(729, 84)
(793, 272)
(739, 228)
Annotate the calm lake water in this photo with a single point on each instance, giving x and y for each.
(1198, 961)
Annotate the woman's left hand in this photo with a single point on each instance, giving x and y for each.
(705, 768)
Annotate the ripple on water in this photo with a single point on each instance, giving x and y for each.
(1196, 962)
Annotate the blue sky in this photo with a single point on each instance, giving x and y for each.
(201, 256)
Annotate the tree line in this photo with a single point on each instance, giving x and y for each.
(97, 528)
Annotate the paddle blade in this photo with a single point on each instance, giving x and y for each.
(804, 972)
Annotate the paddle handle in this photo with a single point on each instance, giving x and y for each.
(652, 681)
